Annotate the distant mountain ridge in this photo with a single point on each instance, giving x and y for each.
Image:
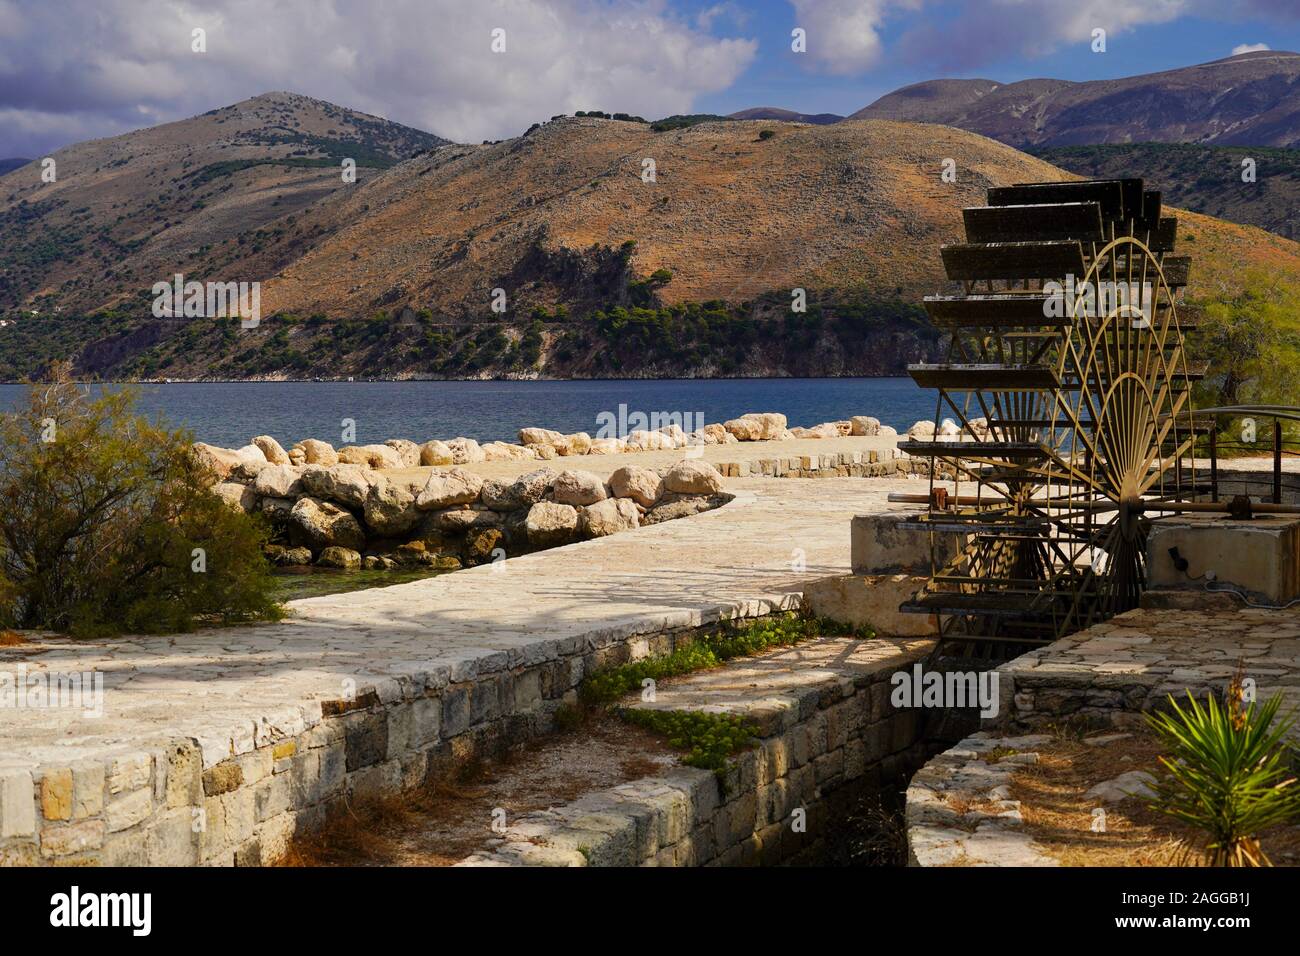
(1205, 179)
(1250, 99)
(7, 165)
(786, 116)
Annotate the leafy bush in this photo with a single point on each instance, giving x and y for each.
(707, 740)
(1250, 341)
(682, 121)
(1227, 774)
(109, 525)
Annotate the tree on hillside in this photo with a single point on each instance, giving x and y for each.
(1251, 344)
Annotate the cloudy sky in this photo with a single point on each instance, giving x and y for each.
(76, 69)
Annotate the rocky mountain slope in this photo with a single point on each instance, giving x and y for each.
(128, 211)
(555, 253)
(1207, 179)
(547, 218)
(1251, 99)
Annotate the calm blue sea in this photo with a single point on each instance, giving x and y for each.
(230, 414)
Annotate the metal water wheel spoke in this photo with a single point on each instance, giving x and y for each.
(1075, 415)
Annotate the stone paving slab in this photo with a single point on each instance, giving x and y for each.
(236, 689)
(779, 688)
(958, 807)
(1115, 670)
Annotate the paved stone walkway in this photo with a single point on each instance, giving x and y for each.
(234, 688)
(959, 806)
(1132, 662)
(959, 812)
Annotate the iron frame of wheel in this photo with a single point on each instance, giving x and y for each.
(1116, 449)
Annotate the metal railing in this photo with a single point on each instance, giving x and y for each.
(1280, 446)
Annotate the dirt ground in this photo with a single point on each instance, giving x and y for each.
(444, 823)
(1059, 817)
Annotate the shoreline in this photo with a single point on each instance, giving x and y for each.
(490, 380)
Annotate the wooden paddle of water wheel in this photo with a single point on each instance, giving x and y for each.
(1070, 387)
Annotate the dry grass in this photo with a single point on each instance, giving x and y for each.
(11, 639)
(1059, 817)
(448, 819)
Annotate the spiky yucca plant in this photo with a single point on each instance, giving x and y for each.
(1227, 773)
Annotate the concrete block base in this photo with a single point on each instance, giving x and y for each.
(862, 599)
(1260, 556)
(879, 546)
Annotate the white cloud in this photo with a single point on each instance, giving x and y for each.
(728, 10)
(427, 63)
(844, 35)
(1241, 48)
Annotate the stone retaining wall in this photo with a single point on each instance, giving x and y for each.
(885, 463)
(180, 803)
(827, 735)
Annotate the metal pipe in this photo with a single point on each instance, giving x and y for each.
(1214, 464)
(1277, 461)
(1195, 507)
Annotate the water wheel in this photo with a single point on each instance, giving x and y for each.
(1064, 415)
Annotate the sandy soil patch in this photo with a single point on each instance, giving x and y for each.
(1059, 817)
(444, 823)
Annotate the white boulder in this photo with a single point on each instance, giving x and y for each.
(437, 453)
(693, 477)
(640, 484)
(319, 452)
(272, 449)
(577, 488)
(609, 516)
(446, 488)
(549, 524)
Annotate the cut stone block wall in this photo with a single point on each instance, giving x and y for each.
(886, 463)
(1260, 556)
(181, 803)
(821, 744)
(871, 600)
(879, 546)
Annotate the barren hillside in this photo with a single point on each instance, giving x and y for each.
(129, 211)
(730, 215)
(605, 270)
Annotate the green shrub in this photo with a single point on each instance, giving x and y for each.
(682, 121)
(109, 525)
(706, 740)
(709, 650)
(1227, 774)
